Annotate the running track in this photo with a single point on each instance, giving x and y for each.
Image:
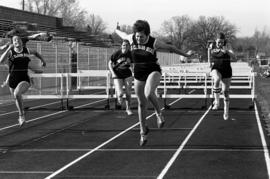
(90, 142)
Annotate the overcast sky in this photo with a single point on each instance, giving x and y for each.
(247, 15)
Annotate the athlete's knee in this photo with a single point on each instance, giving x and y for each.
(149, 95)
(119, 92)
(17, 95)
(216, 83)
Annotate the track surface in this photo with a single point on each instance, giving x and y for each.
(90, 142)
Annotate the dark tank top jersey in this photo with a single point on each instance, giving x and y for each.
(144, 58)
(121, 63)
(18, 67)
(220, 58)
(222, 63)
(144, 53)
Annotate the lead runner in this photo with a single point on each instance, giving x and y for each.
(147, 71)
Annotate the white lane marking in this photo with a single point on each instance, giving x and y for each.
(90, 152)
(136, 150)
(38, 106)
(97, 148)
(101, 145)
(176, 154)
(11, 112)
(25, 172)
(52, 114)
(264, 145)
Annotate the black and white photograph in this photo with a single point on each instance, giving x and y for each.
(134, 89)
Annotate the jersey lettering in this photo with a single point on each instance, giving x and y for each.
(143, 47)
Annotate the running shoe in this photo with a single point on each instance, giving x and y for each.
(226, 110)
(160, 120)
(21, 120)
(226, 116)
(143, 138)
(215, 106)
(129, 112)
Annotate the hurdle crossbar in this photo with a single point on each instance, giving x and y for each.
(171, 79)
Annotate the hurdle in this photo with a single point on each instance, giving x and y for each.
(66, 93)
(184, 81)
(198, 76)
(107, 86)
(55, 93)
(181, 77)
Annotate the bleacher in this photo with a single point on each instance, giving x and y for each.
(56, 28)
(5, 25)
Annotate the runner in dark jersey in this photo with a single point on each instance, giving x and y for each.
(119, 66)
(221, 71)
(147, 71)
(25, 37)
(19, 81)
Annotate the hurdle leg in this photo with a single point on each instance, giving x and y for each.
(109, 96)
(252, 92)
(68, 106)
(107, 106)
(62, 105)
(205, 104)
(165, 104)
(110, 93)
(251, 106)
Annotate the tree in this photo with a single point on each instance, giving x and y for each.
(176, 30)
(244, 47)
(95, 25)
(67, 9)
(261, 41)
(205, 29)
(186, 33)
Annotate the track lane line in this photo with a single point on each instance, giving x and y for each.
(11, 112)
(264, 145)
(25, 172)
(134, 150)
(181, 147)
(37, 106)
(52, 114)
(101, 145)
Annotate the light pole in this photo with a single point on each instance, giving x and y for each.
(23, 5)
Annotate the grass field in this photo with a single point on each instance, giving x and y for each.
(263, 99)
